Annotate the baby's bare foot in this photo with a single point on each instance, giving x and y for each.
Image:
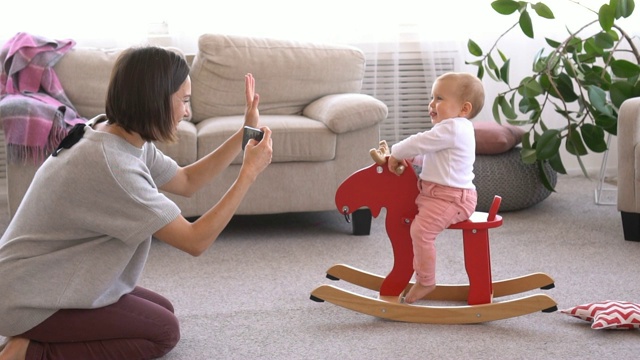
(417, 292)
(15, 349)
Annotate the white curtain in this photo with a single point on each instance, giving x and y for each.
(431, 28)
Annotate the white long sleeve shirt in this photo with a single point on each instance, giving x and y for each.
(446, 153)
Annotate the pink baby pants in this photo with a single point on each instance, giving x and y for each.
(439, 207)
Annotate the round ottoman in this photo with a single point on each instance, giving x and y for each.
(507, 176)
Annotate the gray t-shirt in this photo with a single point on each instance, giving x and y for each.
(82, 233)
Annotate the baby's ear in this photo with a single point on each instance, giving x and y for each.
(466, 109)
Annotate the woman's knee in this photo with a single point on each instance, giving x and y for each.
(169, 337)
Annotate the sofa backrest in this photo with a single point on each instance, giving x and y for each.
(84, 74)
(289, 75)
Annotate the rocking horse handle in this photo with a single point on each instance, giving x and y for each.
(380, 155)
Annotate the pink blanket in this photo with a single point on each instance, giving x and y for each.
(34, 110)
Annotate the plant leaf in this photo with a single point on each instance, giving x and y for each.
(573, 143)
(592, 48)
(624, 68)
(624, 8)
(598, 99)
(502, 55)
(490, 63)
(556, 164)
(604, 40)
(620, 91)
(528, 155)
(474, 48)
(525, 24)
(548, 144)
(504, 72)
(531, 87)
(506, 108)
(543, 10)
(528, 104)
(544, 178)
(608, 123)
(594, 137)
(539, 62)
(505, 7)
(496, 110)
(564, 84)
(480, 73)
(606, 17)
(554, 44)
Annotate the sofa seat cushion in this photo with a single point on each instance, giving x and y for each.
(184, 151)
(295, 138)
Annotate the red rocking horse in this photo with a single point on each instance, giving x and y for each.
(376, 187)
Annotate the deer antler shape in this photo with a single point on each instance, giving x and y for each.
(382, 153)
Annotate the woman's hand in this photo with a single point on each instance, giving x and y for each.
(257, 156)
(251, 115)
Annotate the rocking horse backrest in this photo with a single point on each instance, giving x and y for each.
(493, 210)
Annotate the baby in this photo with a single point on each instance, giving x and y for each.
(446, 154)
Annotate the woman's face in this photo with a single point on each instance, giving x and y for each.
(182, 102)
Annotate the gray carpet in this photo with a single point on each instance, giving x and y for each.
(248, 296)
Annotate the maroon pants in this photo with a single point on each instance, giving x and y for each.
(141, 325)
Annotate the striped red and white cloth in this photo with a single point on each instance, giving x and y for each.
(608, 314)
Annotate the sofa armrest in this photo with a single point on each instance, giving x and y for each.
(347, 112)
(628, 155)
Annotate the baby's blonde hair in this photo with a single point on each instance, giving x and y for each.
(469, 88)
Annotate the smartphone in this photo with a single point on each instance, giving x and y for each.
(251, 133)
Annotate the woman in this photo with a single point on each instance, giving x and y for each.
(77, 245)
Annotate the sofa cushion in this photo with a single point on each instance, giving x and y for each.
(185, 150)
(289, 74)
(346, 112)
(84, 74)
(493, 138)
(295, 138)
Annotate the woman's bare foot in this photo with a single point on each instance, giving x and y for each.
(417, 292)
(15, 349)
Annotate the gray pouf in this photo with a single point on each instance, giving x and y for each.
(516, 182)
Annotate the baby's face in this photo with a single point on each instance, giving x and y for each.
(445, 103)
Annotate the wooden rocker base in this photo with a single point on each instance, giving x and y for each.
(397, 311)
(507, 287)
(392, 308)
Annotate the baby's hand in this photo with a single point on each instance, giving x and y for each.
(396, 166)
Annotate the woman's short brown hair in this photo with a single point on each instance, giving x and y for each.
(139, 94)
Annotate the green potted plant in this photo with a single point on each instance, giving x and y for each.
(583, 78)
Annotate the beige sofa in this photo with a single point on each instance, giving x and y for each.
(310, 98)
(629, 168)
